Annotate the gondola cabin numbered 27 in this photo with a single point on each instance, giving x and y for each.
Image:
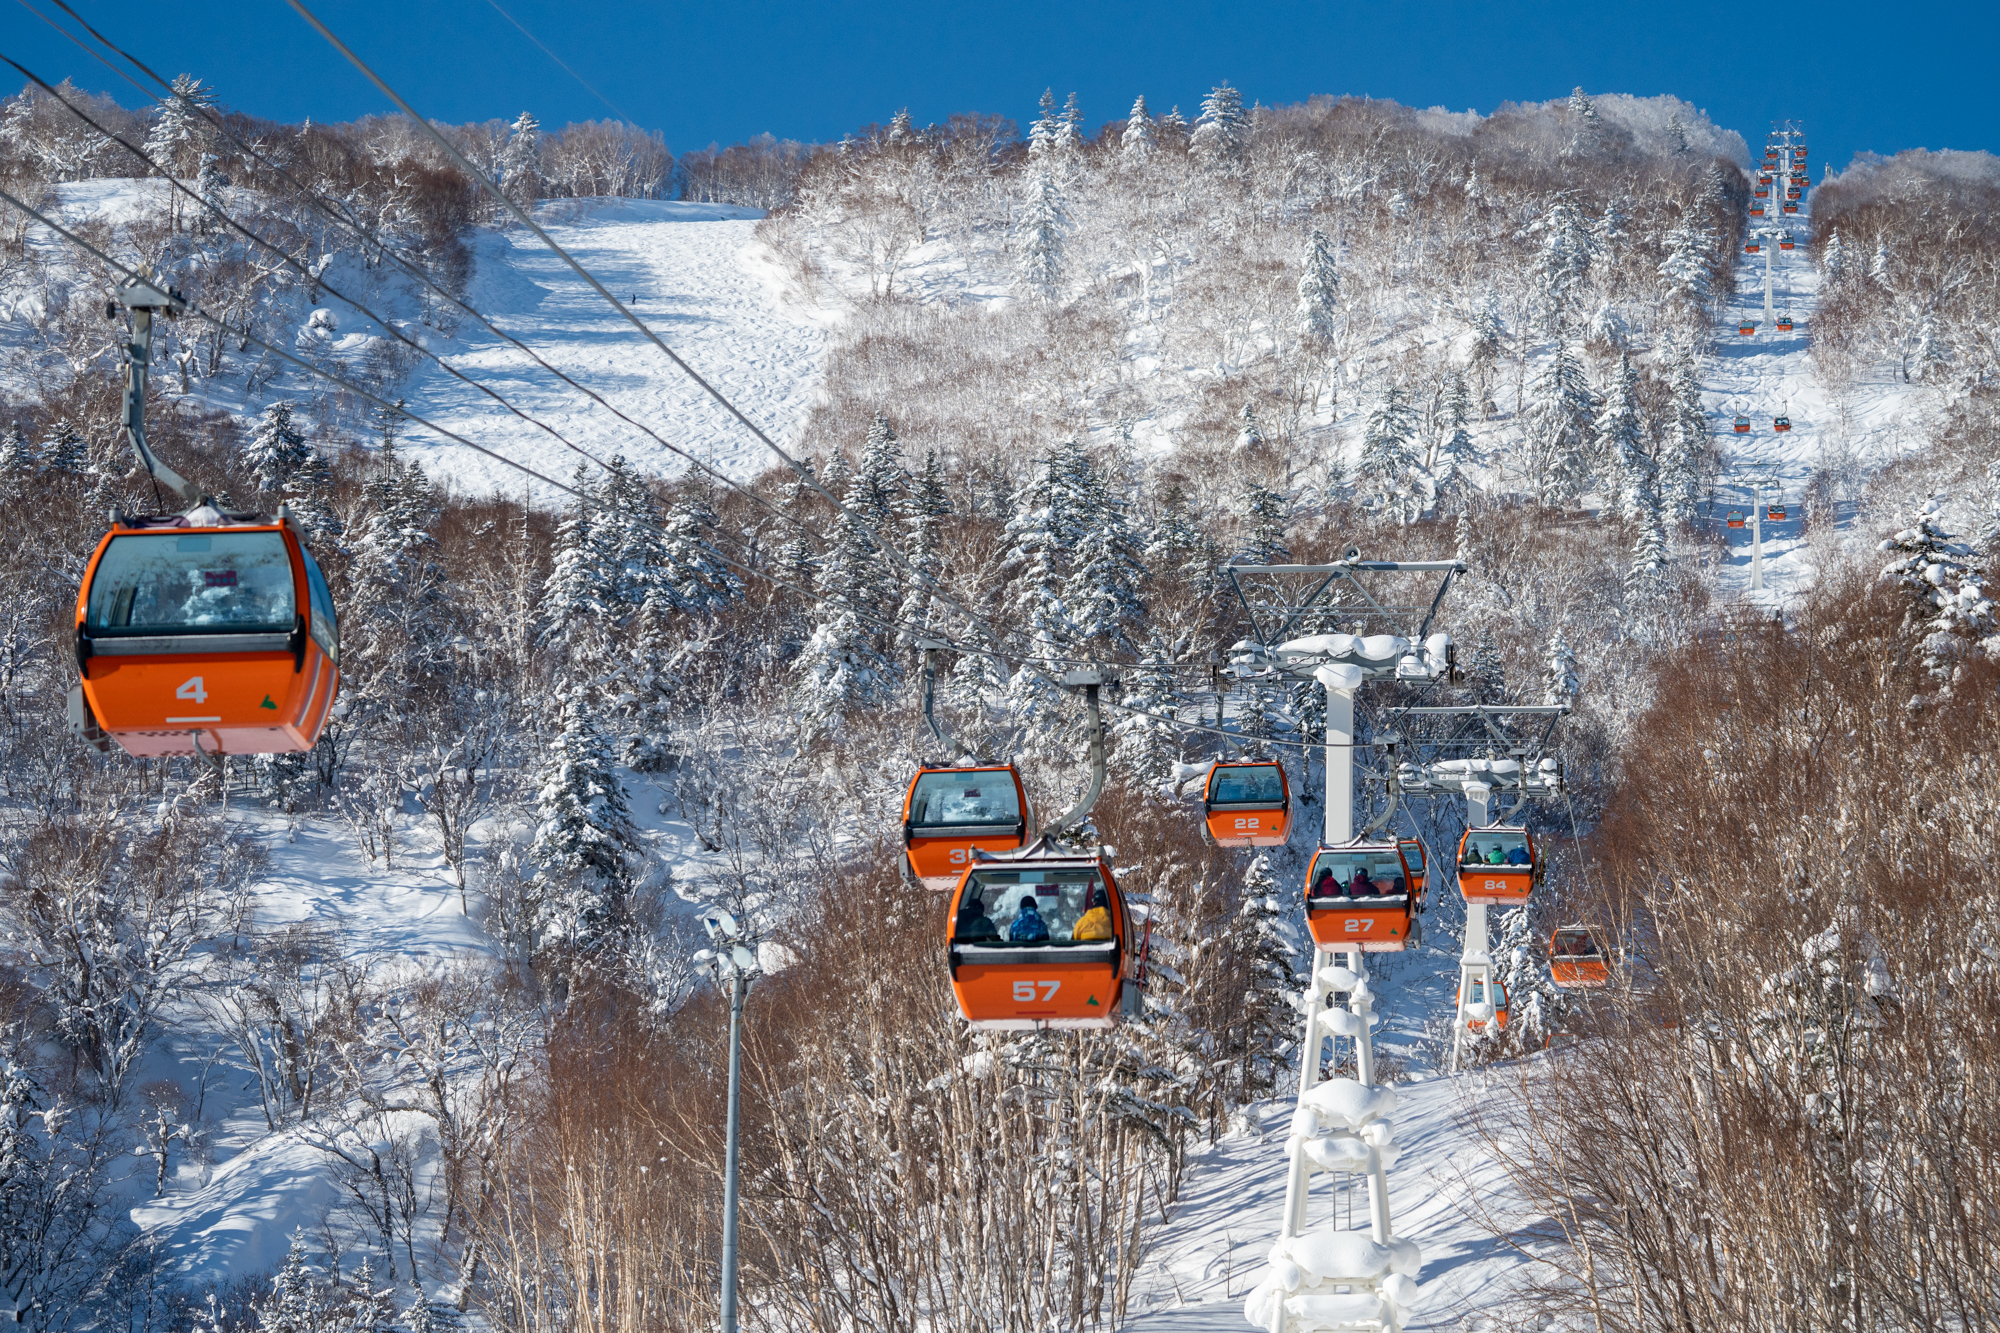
(1359, 896)
(1039, 942)
(205, 632)
(1248, 805)
(951, 813)
(1497, 865)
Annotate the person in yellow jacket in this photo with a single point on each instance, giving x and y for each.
(1096, 923)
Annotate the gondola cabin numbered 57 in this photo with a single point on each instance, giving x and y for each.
(1248, 805)
(205, 632)
(951, 813)
(1359, 896)
(1039, 942)
(1497, 865)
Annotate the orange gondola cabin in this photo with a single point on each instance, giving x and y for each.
(1486, 992)
(949, 814)
(207, 633)
(1791, 208)
(1763, 191)
(1735, 519)
(1248, 805)
(1576, 960)
(1039, 942)
(1781, 424)
(1413, 866)
(1752, 246)
(1784, 323)
(1756, 209)
(1743, 425)
(1774, 513)
(1497, 865)
(1747, 329)
(1785, 242)
(1360, 896)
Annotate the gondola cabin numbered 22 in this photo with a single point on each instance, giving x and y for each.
(1361, 896)
(949, 814)
(1039, 942)
(1248, 805)
(205, 632)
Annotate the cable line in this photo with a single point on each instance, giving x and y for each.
(253, 340)
(615, 110)
(805, 473)
(337, 212)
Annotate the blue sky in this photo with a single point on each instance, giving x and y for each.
(705, 72)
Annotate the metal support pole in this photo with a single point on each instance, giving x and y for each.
(1341, 682)
(738, 985)
(1757, 536)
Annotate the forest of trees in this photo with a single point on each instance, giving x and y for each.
(1077, 375)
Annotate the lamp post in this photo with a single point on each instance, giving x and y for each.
(734, 957)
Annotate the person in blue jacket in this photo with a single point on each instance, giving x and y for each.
(1517, 856)
(1028, 927)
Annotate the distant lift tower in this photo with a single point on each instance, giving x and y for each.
(1327, 1277)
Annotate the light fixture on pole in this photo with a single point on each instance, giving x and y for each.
(734, 957)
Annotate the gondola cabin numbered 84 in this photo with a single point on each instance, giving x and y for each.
(1360, 896)
(1497, 865)
(951, 813)
(206, 632)
(1039, 942)
(1248, 805)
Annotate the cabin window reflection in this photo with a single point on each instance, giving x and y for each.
(1495, 847)
(1339, 875)
(222, 582)
(965, 798)
(1242, 786)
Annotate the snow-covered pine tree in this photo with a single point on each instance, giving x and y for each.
(1568, 245)
(1266, 937)
(902, 130)
(1686, 460)
(64, 451)
(580, 599)
(1488, 674)
(1461, 538)
(1677, 134)
(1834, 261)
(880, 479)
(689, 563)
(1046, 132)
(1319, 292)
(210, 183)
(1559, 443)
(1389, 473)
(1534, 1003)
(431, 1315)
(1879, 261)
(18, 456)
(1559, 682)
(1139, 141)
(1249, 431)
(370, 1309)
(1102, 591)
(1451, 450)
(1222, 132)
(1069, 129)
(277, 448)
(1627, 471)
(1040, 537)
(1685, 270)
(1266, 515)
(521, 161)
(310, 495)
(1646, 579)
(297, 1303)
(585, 845)
(1949, 605)
(928, 506)
(1044, 220)
(179, 130)
(1586, 127)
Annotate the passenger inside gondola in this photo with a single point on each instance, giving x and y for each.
(1506, 848)
(1032, 905)
(949, 798)
(973, 923)
(162, 583)
(1376, 873)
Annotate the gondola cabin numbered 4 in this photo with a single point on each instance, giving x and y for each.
(1497, 865)
(1486, 1004)
(1576, 961)
(1248, 805)
(1039, 942)
(1363, 896)
(205, 632)
(950, 814)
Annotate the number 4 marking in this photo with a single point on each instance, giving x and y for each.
(192, 689)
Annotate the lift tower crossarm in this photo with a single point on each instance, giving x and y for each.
(145, 297)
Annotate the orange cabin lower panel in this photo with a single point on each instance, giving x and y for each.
(256, 703)
(1038, 995)
(1496, 886)
(938, 862)
(1249, 828)
(1370, 929)
(1579, 973)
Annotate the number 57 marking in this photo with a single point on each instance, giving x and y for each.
(1025, 990)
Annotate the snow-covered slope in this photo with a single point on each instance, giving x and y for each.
(695, 273)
